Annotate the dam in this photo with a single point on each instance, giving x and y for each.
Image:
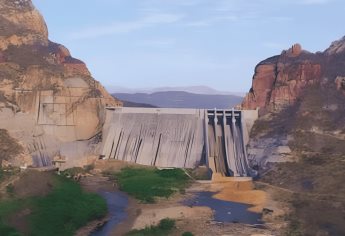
(182, 138)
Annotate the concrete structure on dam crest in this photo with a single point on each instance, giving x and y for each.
(183, 138)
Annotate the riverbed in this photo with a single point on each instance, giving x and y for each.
(205, 208)
(117, 205)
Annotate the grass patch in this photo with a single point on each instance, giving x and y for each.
(165, 227)
(187, 234)
(7, 230)
(147, 184)
(64, 210)
(6, 209)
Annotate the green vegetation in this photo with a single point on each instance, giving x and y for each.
(8, 231)
(145, 184)
(165, 227)
(10, 189)
(65, 209)
(9, 147)
(187, 234)
(6, 209)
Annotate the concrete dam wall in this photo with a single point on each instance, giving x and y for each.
(182, 138)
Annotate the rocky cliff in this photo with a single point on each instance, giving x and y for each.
(47, 97)
(278, 81)
(301, 148)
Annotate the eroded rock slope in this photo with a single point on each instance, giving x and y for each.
(48, 99)
(279, 80)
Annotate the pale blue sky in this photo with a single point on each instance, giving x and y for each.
(154, 43)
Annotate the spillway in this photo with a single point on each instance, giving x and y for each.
(183, 138)
(226, 152)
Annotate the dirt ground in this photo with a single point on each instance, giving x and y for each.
(199, 220)
(33, 183)
(27, 184)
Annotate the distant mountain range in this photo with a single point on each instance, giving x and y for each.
(136, 104)
(178, 99)
(189, 89)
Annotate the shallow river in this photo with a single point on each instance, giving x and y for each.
(117, 204)
(224, 211)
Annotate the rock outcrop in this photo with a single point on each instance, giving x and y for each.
(47, 97)
(278, 81)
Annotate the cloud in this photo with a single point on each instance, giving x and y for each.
(151, 20)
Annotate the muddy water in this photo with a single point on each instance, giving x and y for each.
(225, 211)
(117, 204)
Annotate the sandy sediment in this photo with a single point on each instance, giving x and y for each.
(151, 215)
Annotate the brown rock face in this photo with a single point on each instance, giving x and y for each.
(47, 97)
(21, 24)
(278, 81)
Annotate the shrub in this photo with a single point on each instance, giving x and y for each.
(146, 184)
(187, 234)
(166, 224)
(164, 227)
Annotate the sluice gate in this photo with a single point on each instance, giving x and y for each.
(225, 148)
(183, 138)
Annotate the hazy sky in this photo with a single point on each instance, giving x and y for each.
(154, 43)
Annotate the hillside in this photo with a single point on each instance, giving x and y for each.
(48, 98)
(135, 104)
(303, 113)
(279, 80)
(177, 99)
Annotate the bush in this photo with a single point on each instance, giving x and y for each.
(187, 234)
(8, 231)
(146, 184)
(61, 212)
(164, 227)
(65, 209)
(166, 224)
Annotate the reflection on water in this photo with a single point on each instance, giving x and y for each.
(225, 211)
(117, 203)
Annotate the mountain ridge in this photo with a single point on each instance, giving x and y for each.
(278, 81)
(201, 89)
(180, 99)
